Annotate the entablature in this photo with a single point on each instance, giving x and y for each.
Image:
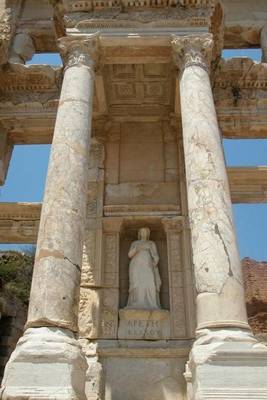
(19, 222)
(243, 20)
(29, 97)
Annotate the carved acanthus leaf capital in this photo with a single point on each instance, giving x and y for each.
(81, 50)
(192, 50)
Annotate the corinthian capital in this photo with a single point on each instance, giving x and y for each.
(192, 50)
(81, 50)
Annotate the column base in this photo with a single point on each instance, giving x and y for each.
(227, 364)
(47, 364)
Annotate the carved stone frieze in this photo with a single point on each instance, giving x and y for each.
(32, 83)
(68, 6)
(19, 222)
(192, 50)
(148, 17)
(240, 73)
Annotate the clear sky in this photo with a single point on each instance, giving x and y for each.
(27, 173)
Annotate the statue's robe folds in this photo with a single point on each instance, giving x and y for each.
(144, 276)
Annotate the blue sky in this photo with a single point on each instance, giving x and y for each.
(27, 173)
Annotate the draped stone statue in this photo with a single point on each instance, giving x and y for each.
(144, 278)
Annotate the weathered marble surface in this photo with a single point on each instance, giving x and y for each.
(46, 364)
(151, 376)
(218, 275)
(22, 49)
(57, 268)
(227, 364)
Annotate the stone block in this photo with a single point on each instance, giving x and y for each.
(143, 378)
(144, 324)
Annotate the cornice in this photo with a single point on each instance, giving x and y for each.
(85, 5)
(31, 78)
(242, 73)
(20, 211)
(132, 14)
(238, 72)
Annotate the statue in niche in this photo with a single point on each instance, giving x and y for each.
(144, 278)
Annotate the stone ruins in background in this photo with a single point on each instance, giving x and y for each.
(136, 119)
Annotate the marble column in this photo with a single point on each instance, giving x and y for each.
(48, 359)
(218, 275)
(56, 278)
(224, 349)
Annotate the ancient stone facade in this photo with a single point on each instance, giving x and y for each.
(136, 118)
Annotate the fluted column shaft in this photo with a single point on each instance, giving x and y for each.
(217, 269)
(56, 277)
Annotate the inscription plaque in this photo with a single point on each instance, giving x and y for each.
(144, 324)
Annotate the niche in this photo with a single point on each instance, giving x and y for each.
(157, 234)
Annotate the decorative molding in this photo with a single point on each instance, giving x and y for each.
(29, 98)
(192, 50)
(155, 352)
(19, 222)
(69, 6)
(20, 211)
(139, 210)
(241, 30)
(116, 18)
(30, 78)
(242, 73)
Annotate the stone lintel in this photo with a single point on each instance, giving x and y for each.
(248, 184)
(19, 222)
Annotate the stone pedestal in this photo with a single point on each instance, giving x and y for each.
(227, 364)
(222, 360)
(47, 362)
(144, 324)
